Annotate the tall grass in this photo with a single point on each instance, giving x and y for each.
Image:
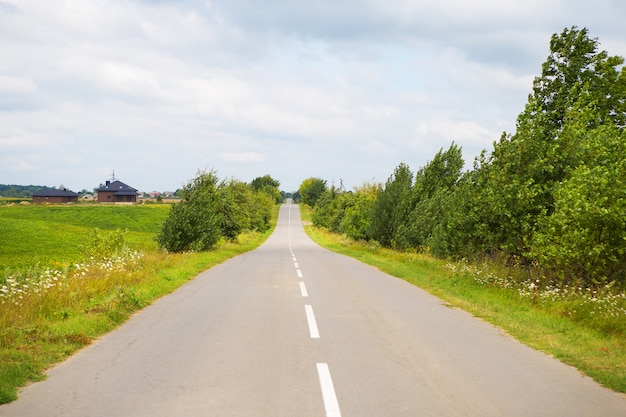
(585, 329)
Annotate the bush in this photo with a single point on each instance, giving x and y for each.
(194, 224)
(105, 244)
(584, 237)
(211, 210)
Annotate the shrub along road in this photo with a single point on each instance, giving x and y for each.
(291, 329)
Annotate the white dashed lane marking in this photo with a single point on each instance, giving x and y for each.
(303, 290)
(310, 318)
(331, 405)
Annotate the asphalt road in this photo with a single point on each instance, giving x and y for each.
(294, 330)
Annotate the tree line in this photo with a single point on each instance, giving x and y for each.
(20, 191)
(550, 197)
(211, 210)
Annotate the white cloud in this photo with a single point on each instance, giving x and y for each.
(466, 131)
(9, 84)
(242, 157)
(332, 89)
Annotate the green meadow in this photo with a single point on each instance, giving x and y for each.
(39, 235)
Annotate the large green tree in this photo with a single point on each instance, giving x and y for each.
(585, 237)
(330, 208)
(268, 185)
(235, 207)
(357, 219)
(194, 223)
(575, 68)
(520, 176)
(433, 184)
(391, 209)
(311, 189)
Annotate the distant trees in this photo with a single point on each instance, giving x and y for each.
(20, 191)
(551, 196)
(211, 210)
(268, 185)
(311, 190)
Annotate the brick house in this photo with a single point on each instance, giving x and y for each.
(116, 192)
(54, 196)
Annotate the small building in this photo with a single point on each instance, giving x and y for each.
(116, 192)
(54, 196)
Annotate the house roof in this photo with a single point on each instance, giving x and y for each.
(53, 192)
(117, 187)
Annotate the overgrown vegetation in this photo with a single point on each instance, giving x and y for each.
(550, 198)
(211, 210)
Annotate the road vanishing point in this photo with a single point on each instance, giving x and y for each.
(291, 329)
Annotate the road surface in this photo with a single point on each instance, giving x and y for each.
(294, 330)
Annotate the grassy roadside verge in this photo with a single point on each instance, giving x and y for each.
(542, 326)
(40, 329)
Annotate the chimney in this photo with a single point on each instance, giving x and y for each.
(107, 183)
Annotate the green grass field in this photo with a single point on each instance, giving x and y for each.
(31, 235)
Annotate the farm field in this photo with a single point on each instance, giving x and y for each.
(40, 235)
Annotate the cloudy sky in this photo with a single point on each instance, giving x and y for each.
(344, 90)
